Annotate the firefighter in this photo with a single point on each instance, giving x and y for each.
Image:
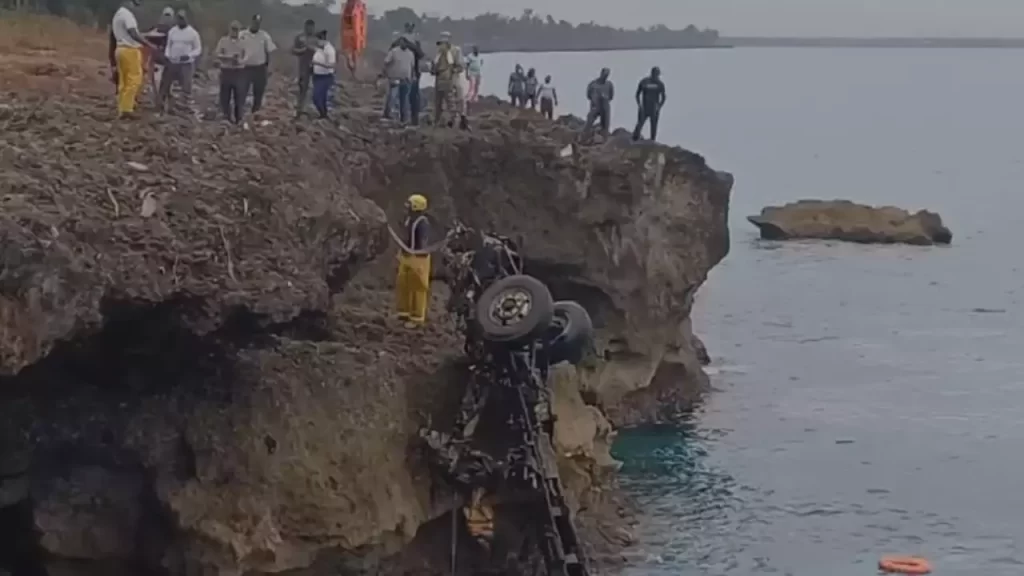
(413, 284)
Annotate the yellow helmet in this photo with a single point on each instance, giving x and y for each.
(416, 203)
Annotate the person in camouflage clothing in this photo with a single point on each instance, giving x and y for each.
(447, 67)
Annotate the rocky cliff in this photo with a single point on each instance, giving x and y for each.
(201, 372)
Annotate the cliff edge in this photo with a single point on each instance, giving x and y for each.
(202, 374)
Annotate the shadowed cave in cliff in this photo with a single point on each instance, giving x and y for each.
(72, 411)
(75, 411)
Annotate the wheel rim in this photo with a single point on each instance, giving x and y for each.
(511, 306)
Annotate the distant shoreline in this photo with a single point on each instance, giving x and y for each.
(765, 42)
(532, 50)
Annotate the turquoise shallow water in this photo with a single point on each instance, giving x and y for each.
(868, 400)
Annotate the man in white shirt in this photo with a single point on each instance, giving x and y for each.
(548, 98)
(258, 47)
(183, 48)
(128, 57)
(324, 61)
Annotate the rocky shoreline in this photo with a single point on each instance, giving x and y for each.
(202, 373)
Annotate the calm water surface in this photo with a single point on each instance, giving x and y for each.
(868, 400)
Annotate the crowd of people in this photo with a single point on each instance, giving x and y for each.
(404, 66)
(167, 55)
(526, 91)
(242, 57)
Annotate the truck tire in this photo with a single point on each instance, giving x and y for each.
(514, 310)
(571, 332)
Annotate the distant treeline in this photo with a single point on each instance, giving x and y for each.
(531, 32)
(491, 32)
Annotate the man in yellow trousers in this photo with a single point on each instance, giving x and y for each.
(128, 56)
(413, 285)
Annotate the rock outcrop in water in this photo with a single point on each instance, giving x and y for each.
(844, 220)
(202, 374)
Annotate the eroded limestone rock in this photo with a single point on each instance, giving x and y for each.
(845, 220)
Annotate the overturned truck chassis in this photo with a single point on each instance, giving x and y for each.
(514, 332)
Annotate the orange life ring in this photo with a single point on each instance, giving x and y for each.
(904, 565)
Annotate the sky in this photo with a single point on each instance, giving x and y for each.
(765, 17)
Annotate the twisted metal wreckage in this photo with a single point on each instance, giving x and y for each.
(514, 332)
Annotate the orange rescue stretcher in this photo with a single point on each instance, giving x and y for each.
(353, 32)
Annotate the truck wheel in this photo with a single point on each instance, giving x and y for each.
(514, 310)
(570, 332)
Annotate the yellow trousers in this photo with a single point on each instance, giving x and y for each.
(412, 287)
(129, 77)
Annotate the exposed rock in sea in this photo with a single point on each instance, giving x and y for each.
(845, 220)
(197, 339)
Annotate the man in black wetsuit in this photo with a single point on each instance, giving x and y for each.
(650, 97)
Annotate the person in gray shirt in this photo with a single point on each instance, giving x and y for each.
(398, 71)
(600, 93)
(258, 46)
(229, 57)
(411, 39)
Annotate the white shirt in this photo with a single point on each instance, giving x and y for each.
(324, 59)
(547, 92)
(183, 42)
(124, 21)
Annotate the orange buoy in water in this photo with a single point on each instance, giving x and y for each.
(904, 565)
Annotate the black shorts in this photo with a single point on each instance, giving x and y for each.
(547, 107)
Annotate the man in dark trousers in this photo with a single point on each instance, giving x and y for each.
(258, 47)
(600, 93)
(303, 49)
(412, 42)
(650, 97)
(229, 56)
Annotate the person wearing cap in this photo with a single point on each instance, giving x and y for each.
(183, 49)
(324, 61)
(229, 57)
(412, 286)
(258, 47)
(153, 60)
(447, 67)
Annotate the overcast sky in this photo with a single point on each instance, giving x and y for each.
(766, 17)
